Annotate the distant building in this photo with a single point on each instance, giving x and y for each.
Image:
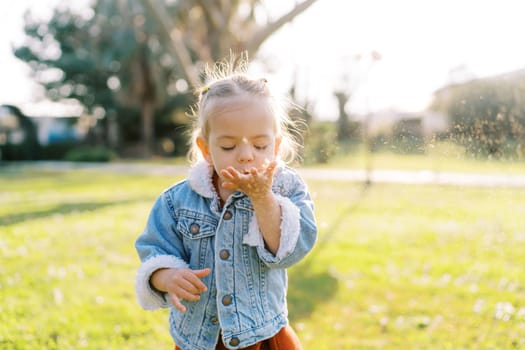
(51, 130)
(18, 135)
(30, 138)
(428, 123)
(443, 95)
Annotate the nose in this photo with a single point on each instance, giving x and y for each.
(245, 152)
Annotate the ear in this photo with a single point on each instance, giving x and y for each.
(204, 147)
(277, 147)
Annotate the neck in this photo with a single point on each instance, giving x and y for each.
(222, 192)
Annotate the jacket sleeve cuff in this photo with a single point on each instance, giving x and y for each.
(147, 296)
(290, 229)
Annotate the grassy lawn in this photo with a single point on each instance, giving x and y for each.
(396, 266)
(441, 156)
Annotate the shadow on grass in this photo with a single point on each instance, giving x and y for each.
(309, 287)
(61, 209)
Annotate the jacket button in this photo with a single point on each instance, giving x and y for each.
(234, 341)
(227, 300)
(228, 215)
(224, 254)
(214, 320)
(194, 228)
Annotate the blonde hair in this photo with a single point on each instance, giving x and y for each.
(229, 79)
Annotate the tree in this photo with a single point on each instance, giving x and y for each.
(206, 31)
(343, 122)
(114, 58)
(487, 116)
(76, 56)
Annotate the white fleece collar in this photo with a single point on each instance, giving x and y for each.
(200, 179)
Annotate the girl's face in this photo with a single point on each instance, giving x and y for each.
(241, 134)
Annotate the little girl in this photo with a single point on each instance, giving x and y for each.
(216, 245)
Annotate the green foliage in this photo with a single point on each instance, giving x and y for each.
(120, 62)
(90, 154)
(56, 151)
(18, 135)
(111, 61)
(78, 70)
(396, 266)
(320, 143)
(488, 116)
(407, 136)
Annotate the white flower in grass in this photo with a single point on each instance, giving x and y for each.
(58, 296)
(504, 310)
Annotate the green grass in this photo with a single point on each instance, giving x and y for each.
(440, 156)
(396, 266)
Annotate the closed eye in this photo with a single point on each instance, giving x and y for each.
(227, 148)
(261, 148)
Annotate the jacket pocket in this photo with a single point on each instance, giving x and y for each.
(194, 225)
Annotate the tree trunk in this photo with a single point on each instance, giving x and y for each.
(148, 129)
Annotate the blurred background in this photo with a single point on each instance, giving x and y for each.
(101, 80)
(413, 153)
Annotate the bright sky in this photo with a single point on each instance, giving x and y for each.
(423, 45)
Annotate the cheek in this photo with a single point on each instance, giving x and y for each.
(269, 154)
(273, 149)
(220, 157)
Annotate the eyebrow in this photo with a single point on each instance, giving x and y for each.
(229, 137)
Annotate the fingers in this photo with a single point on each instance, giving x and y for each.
(195, 279)
(187, 285)
(202, 273)
(176, 302)
(252, 181)
(232, 178)
(229, 185)
(270, 169)
(183, 294)
(230, 173)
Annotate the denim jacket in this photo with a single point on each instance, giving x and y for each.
(245, 300)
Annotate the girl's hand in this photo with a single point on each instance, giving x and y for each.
(255, 183)
(180, 284)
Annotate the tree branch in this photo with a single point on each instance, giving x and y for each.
(270, 28)
(213, 13)
(177, 47)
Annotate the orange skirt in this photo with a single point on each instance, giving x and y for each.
(286, 339)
